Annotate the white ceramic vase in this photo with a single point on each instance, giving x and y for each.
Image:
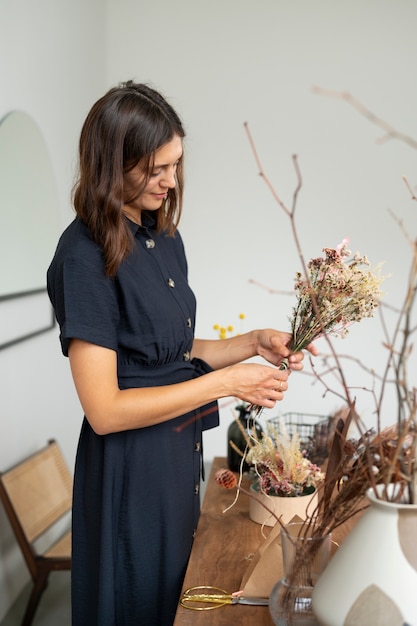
(372, 578)
(285, 508)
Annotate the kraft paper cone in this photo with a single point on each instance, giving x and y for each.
(266, 567)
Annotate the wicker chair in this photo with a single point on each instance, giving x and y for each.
(37, 494)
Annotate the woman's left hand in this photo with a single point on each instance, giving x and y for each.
(272, 345)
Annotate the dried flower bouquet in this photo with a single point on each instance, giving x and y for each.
(333, 292)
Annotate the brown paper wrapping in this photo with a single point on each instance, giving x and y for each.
(266, 567)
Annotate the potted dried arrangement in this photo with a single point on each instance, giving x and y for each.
(286, 480)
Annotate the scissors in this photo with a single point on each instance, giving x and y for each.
(214, 597)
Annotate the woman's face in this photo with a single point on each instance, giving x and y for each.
(162, 179)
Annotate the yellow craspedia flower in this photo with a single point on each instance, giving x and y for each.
(226, 331)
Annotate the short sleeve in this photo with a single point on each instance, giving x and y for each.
(85, 303)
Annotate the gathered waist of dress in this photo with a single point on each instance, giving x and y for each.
(163, 374)
(133, 375)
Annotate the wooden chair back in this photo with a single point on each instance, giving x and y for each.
(36, 494)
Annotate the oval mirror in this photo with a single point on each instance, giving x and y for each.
(28, 205)
(29, 226)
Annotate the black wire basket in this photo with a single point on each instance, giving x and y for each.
(315, 432)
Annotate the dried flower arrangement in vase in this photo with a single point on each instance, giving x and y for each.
(286, 480)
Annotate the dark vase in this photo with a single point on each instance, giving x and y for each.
(251, 427)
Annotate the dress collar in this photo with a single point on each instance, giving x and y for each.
(148, 221)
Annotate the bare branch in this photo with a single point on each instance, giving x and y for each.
(410, 189)
(291, 215)
(391, 132)
(262, 172)
(269, 289)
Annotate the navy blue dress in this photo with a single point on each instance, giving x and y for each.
(136, 493)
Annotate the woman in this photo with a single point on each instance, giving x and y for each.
(118, 284)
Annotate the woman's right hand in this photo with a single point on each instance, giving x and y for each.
(260, 385)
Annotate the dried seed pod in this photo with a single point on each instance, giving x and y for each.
(225, 478)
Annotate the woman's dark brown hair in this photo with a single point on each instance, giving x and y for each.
(126, 126)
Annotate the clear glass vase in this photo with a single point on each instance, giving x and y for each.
(304, 557)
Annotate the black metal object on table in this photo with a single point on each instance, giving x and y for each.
(315, 432)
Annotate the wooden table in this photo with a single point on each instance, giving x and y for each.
(220, 556)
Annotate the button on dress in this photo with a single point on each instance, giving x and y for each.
(136, 493)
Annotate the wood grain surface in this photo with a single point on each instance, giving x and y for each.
(220, 556)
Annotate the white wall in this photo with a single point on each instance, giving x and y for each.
(52, 66)
(226, 62)
(221, 63)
